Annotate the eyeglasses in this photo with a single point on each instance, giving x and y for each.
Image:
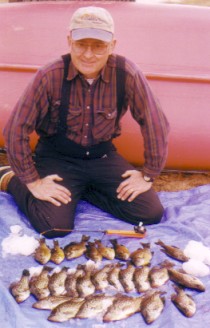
(98, 48)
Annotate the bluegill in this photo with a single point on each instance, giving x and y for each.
(20, 289)
(152, 306)
(126, 278)
(93, 253)
(39, 283)
(121, 251)
(95, 305)
(184, 302)
(43, 252)
(66, 311)
(172, 251)
(57, 253)
(76, 249)
(142, 256)
(141, 279)
(123, 307)
(56, 283)
(50, 302)
(158, 275)
(106, 252)
(186, 280)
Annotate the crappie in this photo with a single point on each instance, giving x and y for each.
(142, 256)
(152, 306)
(126, 278)
(85, 287)
(93, 253)
(184, 302)
(158, 275)
(57, 253)
(106, 252)
(123, 307)
(56, 283)
(94, 305)
(66, 311)
(39, 284)
(42, 253)
(71, 281)
(99, 278)
(121, 251)
(186, 280)
(50, 302)
(20, 289)
(76, 249)
(173, 251)
(113, 276)
(141, 279)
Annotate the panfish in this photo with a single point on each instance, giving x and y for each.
(141, 279)
(85, 286)
(121, 251)
(56, 283)
(184, 302)
(50, 302)
(113, 276)
(43, 252)
(173, 251)
(95, 305)
(93, 253)
(57, 253)
(142, 256)
(106, 252)
(123, 307)
(158, 275)
(126, 278)
(99, 278)
(20, 289)
(152, 306)
(66, 311)
(186, 280)
(39, 283)
(76, 249)
(71, 281)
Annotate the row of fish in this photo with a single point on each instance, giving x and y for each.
(110, 307)
(95, 251)
(69, 293)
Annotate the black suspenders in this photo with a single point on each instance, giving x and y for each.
(65, 93)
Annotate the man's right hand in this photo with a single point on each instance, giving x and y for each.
(47, 189)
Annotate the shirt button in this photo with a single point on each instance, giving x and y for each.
(88, 107)
(85, 137)
(87, 153)
(86, 124)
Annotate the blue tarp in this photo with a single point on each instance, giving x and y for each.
(187, 217)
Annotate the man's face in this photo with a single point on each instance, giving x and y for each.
(89, 56)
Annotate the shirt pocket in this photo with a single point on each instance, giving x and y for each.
(74, 118)
(104, 123)
(54, 111)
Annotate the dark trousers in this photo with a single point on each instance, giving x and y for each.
(94, 180)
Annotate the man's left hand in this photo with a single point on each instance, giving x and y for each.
(133, 185)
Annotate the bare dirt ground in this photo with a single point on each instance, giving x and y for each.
(167, 181)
